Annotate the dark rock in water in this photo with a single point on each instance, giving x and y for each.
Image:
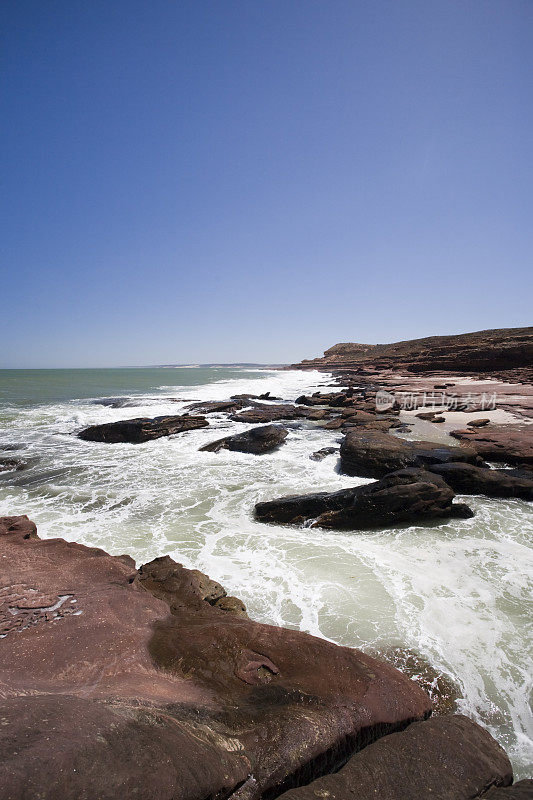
(318, 455)
(478, 423)
(523, 790)
(404, 496)
(468, 479)
(257, 440)
(214, 406)
(354, 418)
(276, 413)
(146, 687)
(265, 396)
(443, 758)
(372, 454)
(142, 429)
(512, 444)
(12, 465)
(112, 402)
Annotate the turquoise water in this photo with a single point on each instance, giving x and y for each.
(459, 592)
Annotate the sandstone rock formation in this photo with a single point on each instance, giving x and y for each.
(511, 444)
(443, 758)
(482, 351)
(468, 479)
(409, 495)
(374, 453)
(124, 683)
(263, 439)
(141, 429)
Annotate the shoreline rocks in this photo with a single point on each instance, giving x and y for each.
(373, 453)
(121, 682)
(141, 429)
(469, 479)
(409, 495)
(260, 440)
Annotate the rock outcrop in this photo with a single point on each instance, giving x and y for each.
(510, 444)
(409, 495)
(141, 429)
(374, 453)
(275, 413)
(482, 351)
(443, 758)
(120, 683)
(263, 439)
(468, 479)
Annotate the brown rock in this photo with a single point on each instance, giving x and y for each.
(260, 440)
(142, 429)
(142, 687)
(511, 444)
(372, 454)
(407, 495)
(443, 758)
(468, 479)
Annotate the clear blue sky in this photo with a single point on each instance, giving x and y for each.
(230, 180)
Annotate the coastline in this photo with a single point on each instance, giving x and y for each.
(334, 413)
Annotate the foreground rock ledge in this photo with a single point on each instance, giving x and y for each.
(120, 683)
(151, 683)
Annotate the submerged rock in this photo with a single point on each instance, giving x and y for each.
(318, 455)
(372, 454)
(123, 683)
(409, 495)
(468, 479)
(141, 429)
(260, 440)
(443, 758)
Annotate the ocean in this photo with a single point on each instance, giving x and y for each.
(458, 592)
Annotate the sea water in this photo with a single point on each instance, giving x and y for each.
(458, 591)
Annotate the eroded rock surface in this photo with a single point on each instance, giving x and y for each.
(374, 453)
(408, 495)
(151, 689)
(443, 758)
(511, 444)
(141, 429)
(260, 440)
(468, 479)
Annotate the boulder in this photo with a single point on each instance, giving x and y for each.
(478, 423)
(468, 479)
(142, 429)
(511, 444)
(443, 758)
(214, 406)
(274, 413)
(372, 453)
(409, 495)
(318, 455)
(260, 440)
(123, 683)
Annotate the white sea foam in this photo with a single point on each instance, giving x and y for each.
(460, 591)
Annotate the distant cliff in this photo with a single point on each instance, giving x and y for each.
(482, 351)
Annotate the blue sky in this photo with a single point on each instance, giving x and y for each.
(256, 180)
